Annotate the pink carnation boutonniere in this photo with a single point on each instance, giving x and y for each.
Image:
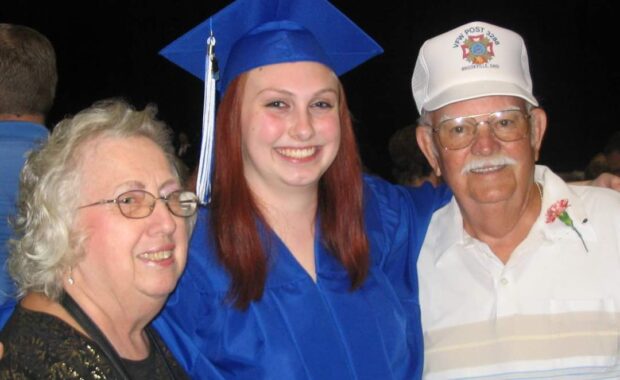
(558, 210)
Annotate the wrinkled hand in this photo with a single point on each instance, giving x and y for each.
(607, 180)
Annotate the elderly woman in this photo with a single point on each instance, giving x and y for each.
(96, 254)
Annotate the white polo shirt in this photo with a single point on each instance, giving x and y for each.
(551, 312)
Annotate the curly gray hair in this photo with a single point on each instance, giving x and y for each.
(46, 244)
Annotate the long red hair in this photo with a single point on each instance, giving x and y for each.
(235, 213)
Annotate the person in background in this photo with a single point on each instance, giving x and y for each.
(28, 80)
(596, 166)
(102, 230)
(607, 161)
(300, 267)
(520, 272)
(612, 154)
(409, 166)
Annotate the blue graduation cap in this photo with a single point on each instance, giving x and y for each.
(252, 33)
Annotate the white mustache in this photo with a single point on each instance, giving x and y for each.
(479, 163)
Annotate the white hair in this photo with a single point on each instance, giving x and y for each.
(46, 244)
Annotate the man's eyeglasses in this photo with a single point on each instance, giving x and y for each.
(137, 204)
(460, 132)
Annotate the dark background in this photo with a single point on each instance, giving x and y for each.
(109, 49)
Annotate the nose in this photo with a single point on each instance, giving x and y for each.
(161, 219)
(485, 143)
(302, 128)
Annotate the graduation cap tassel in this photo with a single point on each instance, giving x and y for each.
(203, 185)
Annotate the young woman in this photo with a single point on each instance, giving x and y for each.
(300, 267)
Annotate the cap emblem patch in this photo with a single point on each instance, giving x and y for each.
(478, 49)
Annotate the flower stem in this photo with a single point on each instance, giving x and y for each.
(580, 237)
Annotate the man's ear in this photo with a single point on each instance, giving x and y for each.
(424, 136)
(538, 128)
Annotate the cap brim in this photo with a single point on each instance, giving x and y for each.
(467, 91)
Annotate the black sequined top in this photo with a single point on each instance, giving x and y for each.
(41, 346)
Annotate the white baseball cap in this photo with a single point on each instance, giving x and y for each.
(474, 60)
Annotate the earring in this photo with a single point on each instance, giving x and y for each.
(70, 277)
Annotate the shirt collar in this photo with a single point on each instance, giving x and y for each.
(452, 232)
(554, 189)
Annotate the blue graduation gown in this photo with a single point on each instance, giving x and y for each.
(300, 329)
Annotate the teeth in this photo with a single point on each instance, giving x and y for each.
(487, 164)
(486, 169)
(156, 256)
(297, 153)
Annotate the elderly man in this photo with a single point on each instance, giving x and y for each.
(520, 272)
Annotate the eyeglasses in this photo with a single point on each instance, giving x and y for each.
(137, 204)
(460, 132)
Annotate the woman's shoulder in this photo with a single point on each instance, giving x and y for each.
(203, 272)
(419, 196)
(26, 325)
(39, 344)
(392, 203)
(397, 217)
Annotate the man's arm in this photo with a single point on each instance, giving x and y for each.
(607, 180)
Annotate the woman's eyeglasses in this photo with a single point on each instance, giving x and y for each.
(138, 204)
